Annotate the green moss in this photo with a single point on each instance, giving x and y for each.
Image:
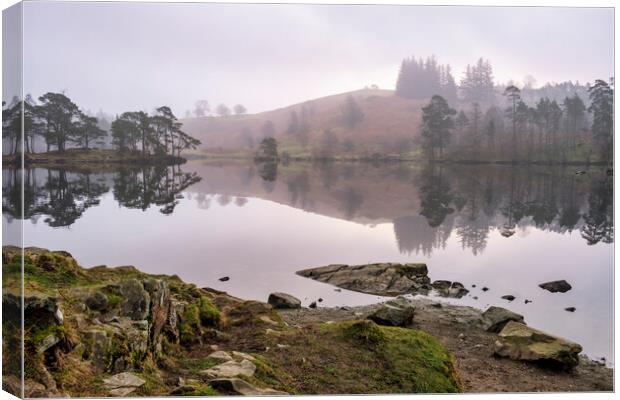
(114, 300)
(364, 331)
(203, 390)
(188, 324)
(209, 314)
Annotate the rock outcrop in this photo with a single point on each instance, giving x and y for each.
(382, 279)
(520, 342)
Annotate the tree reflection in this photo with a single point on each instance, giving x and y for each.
(62, 196)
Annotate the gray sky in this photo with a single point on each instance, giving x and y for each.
(125, 56)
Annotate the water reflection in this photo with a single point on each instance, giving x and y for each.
(425, 203)
(61, 196)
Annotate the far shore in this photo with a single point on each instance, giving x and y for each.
(73, 157)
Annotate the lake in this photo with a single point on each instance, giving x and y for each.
(507, 228)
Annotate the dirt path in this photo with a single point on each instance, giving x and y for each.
(458, 330)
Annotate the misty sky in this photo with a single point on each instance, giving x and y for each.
(126, 56)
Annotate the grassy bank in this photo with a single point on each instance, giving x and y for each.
(89, 156)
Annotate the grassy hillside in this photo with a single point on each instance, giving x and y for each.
(389, 125)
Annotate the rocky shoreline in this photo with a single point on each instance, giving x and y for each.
(105, 331)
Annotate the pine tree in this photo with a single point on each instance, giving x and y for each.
(602, 109)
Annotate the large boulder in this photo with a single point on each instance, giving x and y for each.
(495, 318)
(136, 300)
(283, 300)
(556, 286)
(236, 386)
(382, 279)
(393, 313)
(520, 342)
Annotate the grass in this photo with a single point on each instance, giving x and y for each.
(359, 357)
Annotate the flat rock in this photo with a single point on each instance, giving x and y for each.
(556, 286)
(520, 342)
(495, 318)
(240, 387)
(244, 356)
(220, 356)
(122, 384)
(382, 279)
(283, 301)
(230, 369)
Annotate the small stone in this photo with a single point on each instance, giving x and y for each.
(484, 289)
(47, 343)
(59, 316)
(508, 297)
(391, 314)
(283, 346)
(337, 290)
(475, 297)
(320, 300)
(224, 278)
(312, 305)
(474, 285)
(570, 309)
(283, 301)
(527, 301)
(462, 336)
(268, 320)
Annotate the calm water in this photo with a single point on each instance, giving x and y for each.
(497, 226)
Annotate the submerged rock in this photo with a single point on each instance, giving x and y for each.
(382, 279)
(449, 289)
(238, 386)
(283, 300)
(495, 318)
(556, 286)
(508, 297)
(570, 309)
(520, 342)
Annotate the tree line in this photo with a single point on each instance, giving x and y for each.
(544, 131)
(61, 124)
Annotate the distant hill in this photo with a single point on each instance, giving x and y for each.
(389, 125)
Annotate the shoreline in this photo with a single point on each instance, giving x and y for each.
(113, 322)
(80, 157)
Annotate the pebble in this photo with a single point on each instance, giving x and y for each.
(312, 305)
(570, 309)
(225, 278)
